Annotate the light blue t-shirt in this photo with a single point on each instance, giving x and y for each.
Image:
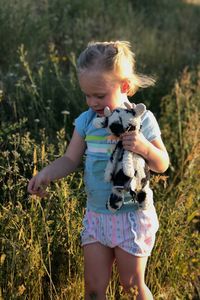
(99, 147)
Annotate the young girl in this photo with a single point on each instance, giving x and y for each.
(106, 73)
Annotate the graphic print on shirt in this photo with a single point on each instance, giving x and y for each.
(101, 144)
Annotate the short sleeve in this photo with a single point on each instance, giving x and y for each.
(83, 122)
(150, 127)
(80, 124)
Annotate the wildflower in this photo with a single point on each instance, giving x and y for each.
(18, 84)
(65, 112)
(134, 291)
(5, 153)
(54, 58)
(11, 74)
(16, 154)
(64, 58)
(2, 258)
(21, 290)
(40, 62)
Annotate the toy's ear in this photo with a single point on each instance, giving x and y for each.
(107, 111)
(129, 106)
(140, 109)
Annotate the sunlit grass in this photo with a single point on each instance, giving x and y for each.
(195, 2)
(40, 252)
(41, 257)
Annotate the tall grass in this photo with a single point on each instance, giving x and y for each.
(37, 55)
(40, 253)
(40, 248)
(176, 255)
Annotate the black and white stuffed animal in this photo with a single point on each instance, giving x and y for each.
(126, 170)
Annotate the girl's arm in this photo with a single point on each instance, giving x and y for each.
(154, 152)
(59, 168)
(157, 156)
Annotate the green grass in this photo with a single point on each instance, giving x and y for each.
(40, 253)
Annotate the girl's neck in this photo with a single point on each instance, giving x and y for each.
(124, 99)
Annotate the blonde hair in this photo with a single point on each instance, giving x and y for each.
(115, 58)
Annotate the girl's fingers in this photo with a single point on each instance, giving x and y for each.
(128, 133)
(129, 136)
(36, 187)
(128, 140)
(31, 185)
(41, 193)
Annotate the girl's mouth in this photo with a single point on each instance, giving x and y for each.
(99, 111)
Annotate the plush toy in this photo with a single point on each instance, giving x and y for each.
(127, 170)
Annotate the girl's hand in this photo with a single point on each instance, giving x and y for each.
(38, 184)
(154, 152)
(135, 142)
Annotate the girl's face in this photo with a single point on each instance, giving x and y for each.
(101, 92)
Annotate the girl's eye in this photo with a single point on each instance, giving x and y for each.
(97, 96)
(100, 96)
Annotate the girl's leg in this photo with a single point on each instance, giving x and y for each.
(98, 261)
(131, 271)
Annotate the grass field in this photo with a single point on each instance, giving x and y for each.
(40, 253)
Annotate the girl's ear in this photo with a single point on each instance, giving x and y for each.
(125, 86)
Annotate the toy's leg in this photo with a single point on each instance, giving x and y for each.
(128, 166)
(132, 189)
(145, 197)
(141, 197)
(111, 165)
(133, 194)
(133, 163)
(140, 165)
(108, 171)
(133, 183)
(116, 199)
